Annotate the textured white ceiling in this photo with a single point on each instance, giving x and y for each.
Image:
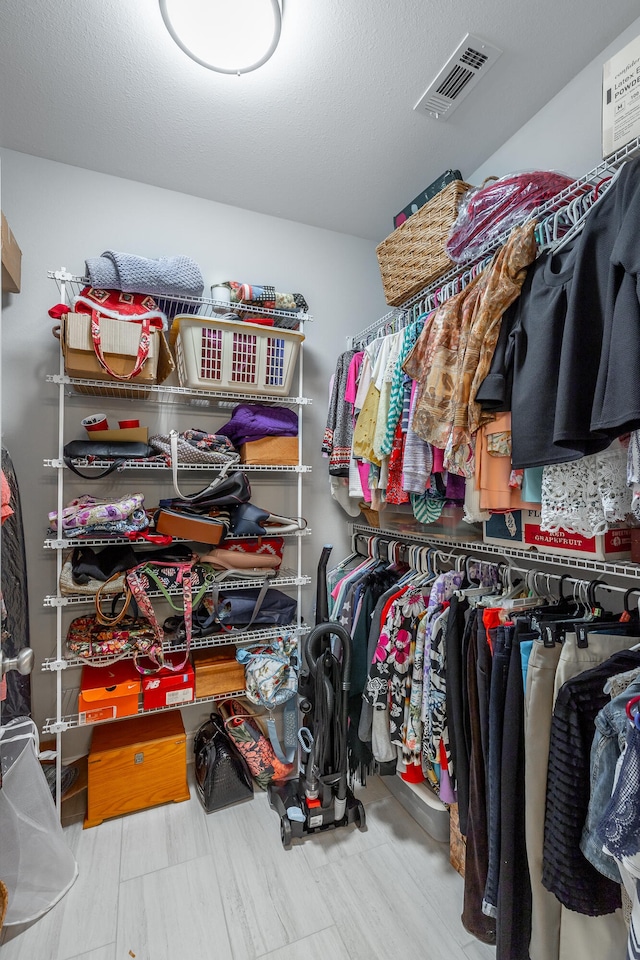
(324, 133)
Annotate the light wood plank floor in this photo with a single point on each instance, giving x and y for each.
(174, 883)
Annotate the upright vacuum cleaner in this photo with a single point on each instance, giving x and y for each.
(320, 797)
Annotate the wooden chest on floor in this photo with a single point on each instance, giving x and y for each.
(135, 764)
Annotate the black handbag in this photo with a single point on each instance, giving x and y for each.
(118, 451)
(227, 491)
(247, 520)
(222, 774)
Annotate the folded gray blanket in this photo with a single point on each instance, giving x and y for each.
(165, 277)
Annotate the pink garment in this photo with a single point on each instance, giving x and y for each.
(363, 470)
(438, 460)
(5, 499)
(352, 377)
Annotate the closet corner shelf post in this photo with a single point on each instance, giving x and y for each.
(195, 400)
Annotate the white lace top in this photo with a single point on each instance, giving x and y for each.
(587, 496)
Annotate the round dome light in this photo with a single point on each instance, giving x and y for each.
(228, 36)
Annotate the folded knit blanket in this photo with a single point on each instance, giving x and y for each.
(165, 277)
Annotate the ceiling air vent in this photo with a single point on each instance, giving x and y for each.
(462, 71)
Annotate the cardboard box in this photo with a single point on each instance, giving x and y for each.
(505, 529)
(137, 434)
(279, 451)
(11, 259)
(521, 529)
(135, 765)
(108, 693)
(168, 688)
(217, 671)
(621, 98)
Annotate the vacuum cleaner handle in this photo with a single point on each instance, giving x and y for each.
(315, 648)
(322, 601)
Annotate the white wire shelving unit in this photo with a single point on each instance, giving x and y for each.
(185, 400)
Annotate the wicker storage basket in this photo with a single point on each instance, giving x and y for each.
(414, 254)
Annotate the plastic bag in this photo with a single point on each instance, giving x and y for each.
(488, 211)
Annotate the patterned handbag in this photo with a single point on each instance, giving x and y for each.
(245, 729)
(197, 446)
(271, 675)
(271, 679)
(88, 638)
(156, 575)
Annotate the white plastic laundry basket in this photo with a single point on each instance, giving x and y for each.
(36, 864)
(235, 357)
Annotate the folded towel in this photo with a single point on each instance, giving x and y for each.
(165, 277)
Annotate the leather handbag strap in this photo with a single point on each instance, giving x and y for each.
(145, 606)
(256, 609)
(174, 436)
(95, 476)
(115, 618)
(143, 347)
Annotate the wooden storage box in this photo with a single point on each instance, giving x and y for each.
(218, 671)
(136, 764)
(277, 451)
(120, 339)
(414, 254)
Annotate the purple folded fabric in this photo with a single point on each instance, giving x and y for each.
(253, 421)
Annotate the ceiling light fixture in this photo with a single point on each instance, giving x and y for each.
(228, 36)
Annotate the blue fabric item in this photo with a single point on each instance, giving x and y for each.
(619, 826)
(608, 742)
(164, 277)
(532, 485)
(526, 646)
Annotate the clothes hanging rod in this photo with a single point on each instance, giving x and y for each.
(468, 557)
(627, 569)
(456, 274)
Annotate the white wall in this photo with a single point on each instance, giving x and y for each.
(60, 215)
(566, 135)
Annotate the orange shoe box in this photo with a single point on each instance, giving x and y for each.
(108, 693)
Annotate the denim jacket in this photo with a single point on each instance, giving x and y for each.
(609, 739)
